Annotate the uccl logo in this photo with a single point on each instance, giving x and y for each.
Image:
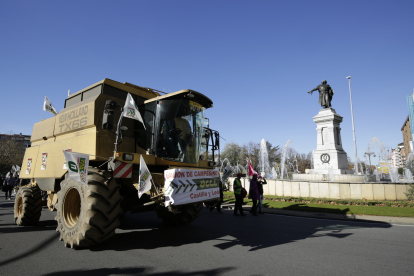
(72, 166)
(131, 112)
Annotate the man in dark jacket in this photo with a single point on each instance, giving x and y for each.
(9, 182)
(260, 182)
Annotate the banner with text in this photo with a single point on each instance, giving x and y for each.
(77, 166)
(184, 186)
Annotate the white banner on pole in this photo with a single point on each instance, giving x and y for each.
(47, 106)
(144, 179)
(226, 173)
(78, 164)
(131, 110)
(184, 186)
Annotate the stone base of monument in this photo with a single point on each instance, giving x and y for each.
(337, 171)
(329, 154)
(325, 177)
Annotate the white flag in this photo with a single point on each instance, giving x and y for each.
(131, 110)
(14, 168)
(17, 168)
(77, 166)
(226, 173)
(47, 106)
(144, 178)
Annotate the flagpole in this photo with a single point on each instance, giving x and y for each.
(152, 182)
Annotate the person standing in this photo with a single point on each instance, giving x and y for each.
(9, 182)
(254, 194)
(260, 182)
(237, 187)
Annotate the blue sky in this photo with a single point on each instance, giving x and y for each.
(255, 59)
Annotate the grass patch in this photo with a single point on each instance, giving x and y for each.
(324, 205)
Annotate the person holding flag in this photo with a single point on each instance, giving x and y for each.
(254, 194)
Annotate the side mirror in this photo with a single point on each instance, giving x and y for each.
(108, 119)
(112, 106)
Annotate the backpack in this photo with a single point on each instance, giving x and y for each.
(243, 192)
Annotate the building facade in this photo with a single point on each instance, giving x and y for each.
(391, 158)
(406, 132)
(18, 138)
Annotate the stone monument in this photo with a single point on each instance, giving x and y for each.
(329, 151)
(329, 159)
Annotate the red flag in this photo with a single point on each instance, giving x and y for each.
(251, 170)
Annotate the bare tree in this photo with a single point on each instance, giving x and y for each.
(11, 153)
(231, 152)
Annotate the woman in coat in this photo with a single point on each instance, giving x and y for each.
(254, 194)
(9, 182)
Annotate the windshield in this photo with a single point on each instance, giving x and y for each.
(178, 130)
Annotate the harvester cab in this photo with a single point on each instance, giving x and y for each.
(174, 127)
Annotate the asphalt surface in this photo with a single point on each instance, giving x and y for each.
(214, 244)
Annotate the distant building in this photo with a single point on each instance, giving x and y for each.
(406, 132)
(399, 156)
(19, 138)
(391, 158)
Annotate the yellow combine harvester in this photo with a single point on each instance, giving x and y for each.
(175, 135)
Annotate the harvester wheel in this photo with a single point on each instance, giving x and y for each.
(185, 214)
(27, 206)
(88, 215)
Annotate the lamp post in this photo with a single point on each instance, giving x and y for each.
(369, 158)
(353, 126)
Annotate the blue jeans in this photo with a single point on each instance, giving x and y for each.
(259, 206)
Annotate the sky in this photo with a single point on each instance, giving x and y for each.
(256, 60)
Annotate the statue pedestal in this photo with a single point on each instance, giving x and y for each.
(329, 152)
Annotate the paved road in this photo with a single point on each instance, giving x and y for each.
(214, 244)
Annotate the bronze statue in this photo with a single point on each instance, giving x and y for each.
(325, 94)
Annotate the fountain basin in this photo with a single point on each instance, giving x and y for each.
(332, 189)
(322, 175)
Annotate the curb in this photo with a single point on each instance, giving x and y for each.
(318, 215)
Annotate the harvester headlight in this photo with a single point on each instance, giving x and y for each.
(211, 164)
(128, 157)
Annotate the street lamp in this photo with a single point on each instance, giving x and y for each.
(369, 158)
(353, 126)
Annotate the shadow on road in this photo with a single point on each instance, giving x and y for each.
(43, 225)
(140, 271)
(223, 231)
(226, 231)
(34, 250)
(305, 208)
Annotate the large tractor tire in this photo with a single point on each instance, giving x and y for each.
(27, 206)
(88, 215)
(185, 214)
